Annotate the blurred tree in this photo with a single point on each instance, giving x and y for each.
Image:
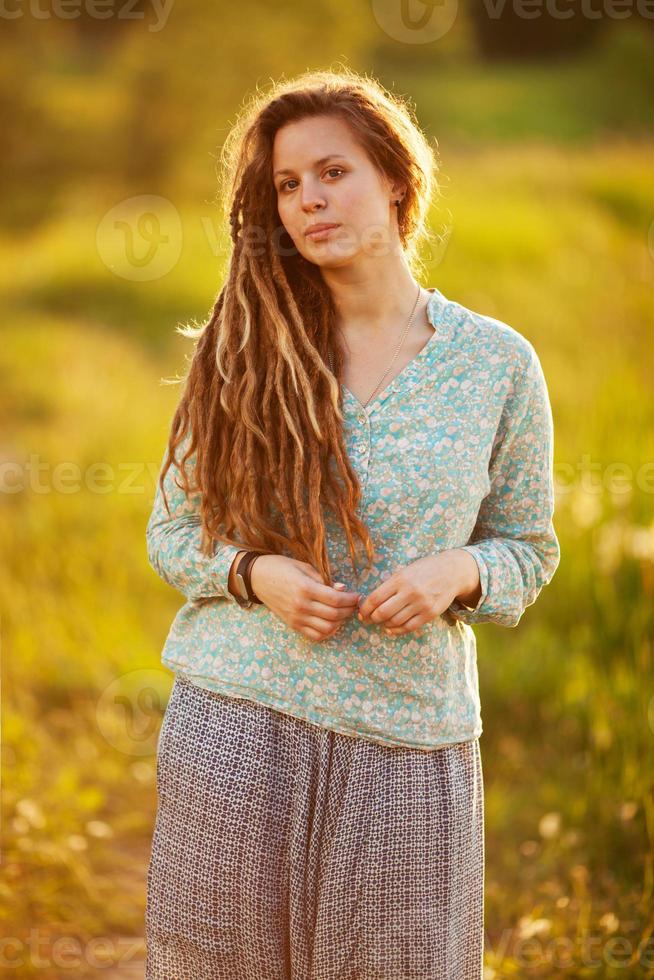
(124, 101)
(153, 124)
(507, 30)
(184, 82)
(409, 48)
(96, 30)
(28, 175)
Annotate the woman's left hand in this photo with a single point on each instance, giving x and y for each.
(421, 591)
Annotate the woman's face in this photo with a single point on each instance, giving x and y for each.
(322, 176)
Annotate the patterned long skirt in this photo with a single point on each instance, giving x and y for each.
(286, 851)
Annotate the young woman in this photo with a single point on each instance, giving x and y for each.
(320, 794)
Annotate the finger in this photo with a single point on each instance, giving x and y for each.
(323, 627)
(331, 614)
(381, 594)
(342, 588)
(318, 592)
(310, 634)
(328, 596)
(415, 622)
(315, 589)
(395, 606)
(402, 616)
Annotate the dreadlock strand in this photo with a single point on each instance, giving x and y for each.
(261, 410)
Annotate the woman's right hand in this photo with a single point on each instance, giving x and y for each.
(294, 591)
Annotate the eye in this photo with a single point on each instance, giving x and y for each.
(284, 185)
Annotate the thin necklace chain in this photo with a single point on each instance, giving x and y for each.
(397, 351)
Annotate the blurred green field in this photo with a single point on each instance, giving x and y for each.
(553, 238)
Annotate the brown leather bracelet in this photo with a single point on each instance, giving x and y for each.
(243, 582)
(247, 573)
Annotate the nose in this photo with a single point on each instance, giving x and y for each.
(311, 196)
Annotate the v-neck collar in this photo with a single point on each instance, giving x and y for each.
(415, 367)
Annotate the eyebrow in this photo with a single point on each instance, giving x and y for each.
(317, 163)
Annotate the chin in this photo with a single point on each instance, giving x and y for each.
(331, 263)
(327, 258)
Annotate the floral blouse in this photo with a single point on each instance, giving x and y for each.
(456, 452)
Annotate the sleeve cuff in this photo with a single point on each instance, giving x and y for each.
(460, 610)
(221, 565)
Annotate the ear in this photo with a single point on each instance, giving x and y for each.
(397, 190)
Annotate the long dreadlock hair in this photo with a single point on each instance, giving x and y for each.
(261, 408)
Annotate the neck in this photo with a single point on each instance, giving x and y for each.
(372, 300)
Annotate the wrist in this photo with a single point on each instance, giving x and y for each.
(256, 571)
(468, 578)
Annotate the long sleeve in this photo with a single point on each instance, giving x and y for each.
(513, 541)
(173, 542)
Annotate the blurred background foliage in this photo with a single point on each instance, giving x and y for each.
(544, 129)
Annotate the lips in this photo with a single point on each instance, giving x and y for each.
(313, 230)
